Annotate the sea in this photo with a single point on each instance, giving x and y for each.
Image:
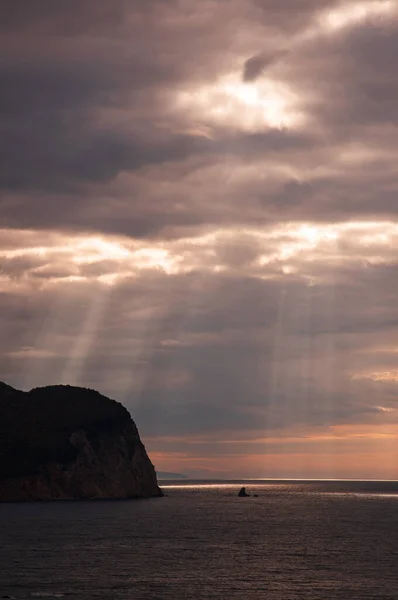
(289, 540)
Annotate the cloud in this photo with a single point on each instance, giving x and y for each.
(81, 118)
(351, 80)
(255, 65)
(199, 219)
(249, 345)
(74, 18)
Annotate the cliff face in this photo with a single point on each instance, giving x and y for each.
(63, 442)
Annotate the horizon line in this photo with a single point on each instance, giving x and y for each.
(187, 477)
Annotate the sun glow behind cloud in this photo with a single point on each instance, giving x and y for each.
(295, 248)
(382, 376)
(92, 249)
(348, 15)
(269, 102)
(250, 106)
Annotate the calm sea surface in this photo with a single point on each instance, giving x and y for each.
(296, 540)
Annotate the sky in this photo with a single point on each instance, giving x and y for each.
(198, 218)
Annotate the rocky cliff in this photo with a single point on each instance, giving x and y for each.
(63, 442)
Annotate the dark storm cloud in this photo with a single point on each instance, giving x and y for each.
(349, 77)
(91, 17)
(345, 196)
(53, 134)
(77, 17)
(255, 65)
(59, 73)
(289, 16)
(89, 157)
(373, 98)
(59, 158)
(74, 14)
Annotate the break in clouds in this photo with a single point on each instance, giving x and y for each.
(198, 218)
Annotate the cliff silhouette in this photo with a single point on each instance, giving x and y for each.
(60, 442)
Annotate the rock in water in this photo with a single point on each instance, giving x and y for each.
(62, 442)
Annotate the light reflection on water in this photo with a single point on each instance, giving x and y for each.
(334, 487)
